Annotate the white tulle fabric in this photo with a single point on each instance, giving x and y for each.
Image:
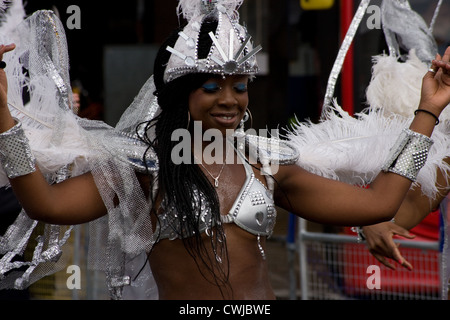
(66, 146)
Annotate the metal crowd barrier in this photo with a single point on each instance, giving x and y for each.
(337, 267)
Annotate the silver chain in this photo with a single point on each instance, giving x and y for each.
(216, 179)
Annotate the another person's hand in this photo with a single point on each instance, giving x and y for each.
(380, 242)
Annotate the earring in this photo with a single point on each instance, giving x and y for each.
(251, 117)
(247, 115)
(244, 119)
(240, 131)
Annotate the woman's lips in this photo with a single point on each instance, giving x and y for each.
(225, 119)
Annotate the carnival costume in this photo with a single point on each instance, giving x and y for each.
(49, 135)
(353, 149)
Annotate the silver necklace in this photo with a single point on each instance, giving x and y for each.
(216, 179)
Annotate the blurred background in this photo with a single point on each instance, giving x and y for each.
(112, 45)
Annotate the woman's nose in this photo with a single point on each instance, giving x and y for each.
(227, 96)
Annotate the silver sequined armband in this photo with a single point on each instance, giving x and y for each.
(409, 154)
(15, 152)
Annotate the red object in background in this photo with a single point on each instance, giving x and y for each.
(425, 275)
(347, 12)
(428, 229)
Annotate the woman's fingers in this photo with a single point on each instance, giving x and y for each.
(442, 62)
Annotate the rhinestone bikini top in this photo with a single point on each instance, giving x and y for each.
(253, 210)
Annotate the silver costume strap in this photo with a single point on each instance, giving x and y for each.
(339, 62)
(409, 154)
(15, 152)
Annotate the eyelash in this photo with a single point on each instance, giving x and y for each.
(213, 88)
(241, 87)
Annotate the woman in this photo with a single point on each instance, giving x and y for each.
(210, 219)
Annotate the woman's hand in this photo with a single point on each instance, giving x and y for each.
(436, 85)
(379, 239)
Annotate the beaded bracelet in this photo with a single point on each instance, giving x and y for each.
(361, 237)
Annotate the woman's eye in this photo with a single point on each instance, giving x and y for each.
(241, 87)
(211, 87)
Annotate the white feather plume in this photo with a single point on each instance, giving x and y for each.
(193, 8)
(396, 86)
(339, 145)
(353, 149)
(12, 14)
(4, 5)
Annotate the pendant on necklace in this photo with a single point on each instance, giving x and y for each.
(216, 182)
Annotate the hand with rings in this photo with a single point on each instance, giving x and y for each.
(441, 63)
(436, 85)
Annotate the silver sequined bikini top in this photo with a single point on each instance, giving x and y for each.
(253, 210)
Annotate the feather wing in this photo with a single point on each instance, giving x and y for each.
(353, 149)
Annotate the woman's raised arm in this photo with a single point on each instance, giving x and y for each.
(326, 201)
(74, 201)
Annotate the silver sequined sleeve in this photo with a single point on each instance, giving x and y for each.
(15, 152)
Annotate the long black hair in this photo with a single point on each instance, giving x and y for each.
(181, 183)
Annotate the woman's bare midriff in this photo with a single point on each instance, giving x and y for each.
(178, 276)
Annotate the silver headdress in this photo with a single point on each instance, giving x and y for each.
(231, 52)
